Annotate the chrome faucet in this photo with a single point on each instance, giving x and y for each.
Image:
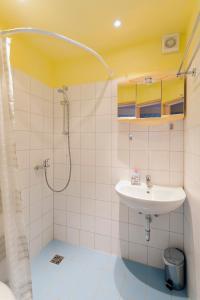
(148, 181)
(46, 163)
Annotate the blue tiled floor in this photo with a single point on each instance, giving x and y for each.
(90, 275)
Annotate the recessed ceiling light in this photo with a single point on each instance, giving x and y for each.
(117, 23)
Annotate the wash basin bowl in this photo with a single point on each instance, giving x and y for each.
(156, 200)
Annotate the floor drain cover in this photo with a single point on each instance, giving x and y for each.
(57, 259)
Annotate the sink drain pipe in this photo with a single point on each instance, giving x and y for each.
(148, 221)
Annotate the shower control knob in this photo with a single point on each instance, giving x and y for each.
(46, 163)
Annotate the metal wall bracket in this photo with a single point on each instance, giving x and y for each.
(193, 72)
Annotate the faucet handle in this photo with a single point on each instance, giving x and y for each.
(148, 181)
(46, 163)
(148, 177)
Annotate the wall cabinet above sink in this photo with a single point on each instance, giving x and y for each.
(152, 100)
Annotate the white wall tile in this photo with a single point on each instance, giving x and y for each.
(103, 209)
(155, 257)
(119, 212)
(88, 157)
(88, 108)
(120, 158)
(21, 120)
(103, 106)
(60, 217)
(159, 160)
(176, 240)
(60, 202)
(73, 220)
(87, 239)
(21, 81)
(22, 100)
(73, 236)
(47, 236)
(87, 91)
(36, 105)
(73, 204)
(120, 230)
(136, 218)
(103, 226)
(140, 140)
(88, 124)
(103, 124)
(120, 174)
(87, 223)
(75, 108)
(140, 160)
(159, 140)
(176, 161)
(22, 140)
(159, 239)
(87, 206)
(103, 89)
(87, 173)
(176, 141)
(88, 190)
(120, 141)
(103, 158)
(103, 175)
(88, 141)
(103, 243)
(103, 192)
(102, 154)
(23, 159)
(33, 143)
(119, 247)
(35, 246)
(138, 253)
(35, 229)
(176, 223)
(103, 141)
(161, 222)
(75, 92)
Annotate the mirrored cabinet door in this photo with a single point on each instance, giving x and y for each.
(147, 97)
(149, 100)
(127, 97)
(173, 96)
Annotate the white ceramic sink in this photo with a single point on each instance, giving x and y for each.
(154, 200)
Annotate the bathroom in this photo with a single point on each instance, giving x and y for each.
(99, 150)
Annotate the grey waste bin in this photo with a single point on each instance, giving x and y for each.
(174, 261)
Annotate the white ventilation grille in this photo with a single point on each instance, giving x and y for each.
(170, 43)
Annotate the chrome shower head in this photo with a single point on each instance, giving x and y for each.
(60, 90)
(63, 89)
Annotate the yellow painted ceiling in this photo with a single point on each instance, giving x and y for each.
(90, 22)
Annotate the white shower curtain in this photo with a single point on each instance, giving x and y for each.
(13, 240)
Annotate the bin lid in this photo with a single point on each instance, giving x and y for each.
(173, 256)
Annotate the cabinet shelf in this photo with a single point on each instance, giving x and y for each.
(153, 121)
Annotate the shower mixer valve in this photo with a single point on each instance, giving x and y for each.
(45, 164)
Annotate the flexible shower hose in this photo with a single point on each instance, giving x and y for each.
(70, 161)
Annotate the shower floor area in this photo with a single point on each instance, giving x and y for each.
(86, 274)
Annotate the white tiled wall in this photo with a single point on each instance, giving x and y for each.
(34, 138)
(192, 183)
(89, 212)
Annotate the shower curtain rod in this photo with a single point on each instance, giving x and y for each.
(8, 32)
(188, 71)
